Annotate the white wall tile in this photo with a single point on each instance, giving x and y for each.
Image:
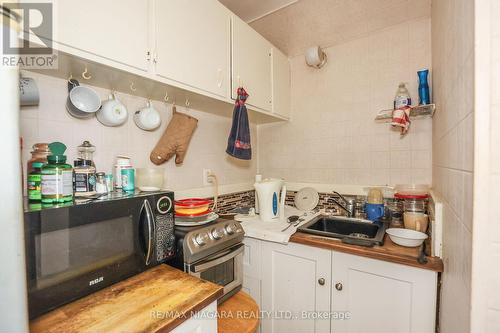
(50, 122)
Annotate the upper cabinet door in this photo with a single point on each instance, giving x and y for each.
(113, 29)
(193, 44)
(382, 297)
(251, 64)
(281, 84)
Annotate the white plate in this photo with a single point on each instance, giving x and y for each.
(406, 237)
(193, 221)
(306, 199)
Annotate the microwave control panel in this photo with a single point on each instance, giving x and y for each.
(164, 220)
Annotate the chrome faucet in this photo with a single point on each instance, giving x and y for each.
(348, 205)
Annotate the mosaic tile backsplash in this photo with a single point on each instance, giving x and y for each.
(230, 201)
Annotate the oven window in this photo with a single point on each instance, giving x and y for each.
(222, 274)
(66, 253)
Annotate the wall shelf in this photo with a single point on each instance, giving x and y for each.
(418, 111)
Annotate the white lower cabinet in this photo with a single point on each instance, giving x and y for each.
(295, 285)
(204, 321)
(317, 288)
(382, 297)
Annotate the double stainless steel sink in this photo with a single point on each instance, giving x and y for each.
(350, 230)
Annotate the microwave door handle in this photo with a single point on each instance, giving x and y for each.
(217, 261)
(149, 217)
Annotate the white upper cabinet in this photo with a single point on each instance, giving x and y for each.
(116, 30)
(193, 44)
(382, 297)
(251, 65)
(281, 84)
(295, 280)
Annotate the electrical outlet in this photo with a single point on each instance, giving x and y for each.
(206, 179)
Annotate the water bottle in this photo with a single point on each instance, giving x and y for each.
(423, 88)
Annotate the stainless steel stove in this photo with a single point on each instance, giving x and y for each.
(212, 252)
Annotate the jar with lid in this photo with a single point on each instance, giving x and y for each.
(38, 154)
(122, 162)
(86, 151)
(57, 184)
(413, 203)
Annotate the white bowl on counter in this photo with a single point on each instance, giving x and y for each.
(406, 237)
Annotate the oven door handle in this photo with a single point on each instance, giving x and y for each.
(211, 262)
(151, 227)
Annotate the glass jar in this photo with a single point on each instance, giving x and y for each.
(414, 203)
(86, 151)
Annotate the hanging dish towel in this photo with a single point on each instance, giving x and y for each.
(401, 119)
(238, 143)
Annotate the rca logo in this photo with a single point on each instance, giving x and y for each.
(96, 281)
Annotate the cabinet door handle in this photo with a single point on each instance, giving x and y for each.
(338, 286)
(321, 281)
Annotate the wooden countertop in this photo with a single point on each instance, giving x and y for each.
(388, 252)
(238, 314)
(157, 300)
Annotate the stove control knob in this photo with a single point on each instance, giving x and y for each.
(201, 239)
(230, 229)
(217, 233)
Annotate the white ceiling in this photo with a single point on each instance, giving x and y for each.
(249, 10)
(328, 22)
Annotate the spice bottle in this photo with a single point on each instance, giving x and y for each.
(84, 181)
(35, 182)
(57, 176)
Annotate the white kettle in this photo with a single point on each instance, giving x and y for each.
(271, 202)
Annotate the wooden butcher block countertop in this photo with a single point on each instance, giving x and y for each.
(388, 252)
(157, 300)
(239, 314)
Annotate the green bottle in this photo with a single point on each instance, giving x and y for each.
(57, 176)
(35, 183)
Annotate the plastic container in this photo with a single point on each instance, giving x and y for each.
(128, 179)
(192, 207)
(57, 176)
(122, 162)
(150, 179)
(412, 189)
(35, 182)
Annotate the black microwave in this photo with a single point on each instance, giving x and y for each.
(74, 250)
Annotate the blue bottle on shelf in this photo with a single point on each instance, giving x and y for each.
(423, 87)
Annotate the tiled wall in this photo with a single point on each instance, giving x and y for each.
(50, 122)
(453, 150)
(485, 315)
(333, 137)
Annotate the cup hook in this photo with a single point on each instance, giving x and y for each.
(85, 74)
(166, 98)
(132, 86)
(187, 103)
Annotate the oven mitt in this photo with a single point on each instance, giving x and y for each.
(175, 140)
